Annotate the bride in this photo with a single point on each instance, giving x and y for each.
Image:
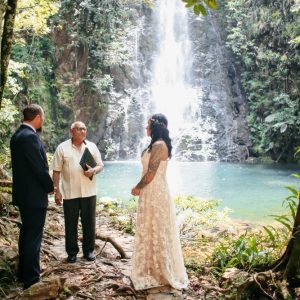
(157, 256)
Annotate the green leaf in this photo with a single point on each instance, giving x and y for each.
(283, 128)
(189, 5)
(232, 263)
(297, 230)
(293, 211)
(297, 152)
(288, 226)
(190, 2)
(199, 8)
(211, 4)
(292, 190)
(271, 118)
(271, 235)
(296, 175)
(291, 198)
(284, 217)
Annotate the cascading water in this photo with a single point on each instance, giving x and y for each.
(172, 92)
(180, 67)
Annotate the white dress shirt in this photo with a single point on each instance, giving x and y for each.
(74, 184)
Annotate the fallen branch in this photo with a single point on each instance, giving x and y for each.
(255, 277)
(12, 220)
(214, 288)
(114, 244)
(51, 235)
(121, 290)
(48, 242)
(258, 279)
(82, 295)
(98, 278)
(5, 183)
(99, 254)
(125, 289)
(63, 268)
(48, 252)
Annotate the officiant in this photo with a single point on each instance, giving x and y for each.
(76, 161)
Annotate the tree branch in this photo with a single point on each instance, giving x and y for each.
(114, 243)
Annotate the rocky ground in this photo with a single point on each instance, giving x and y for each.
(106, 278)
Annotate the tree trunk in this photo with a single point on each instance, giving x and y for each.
(289, 261)
(292, 270)
(6, 42)
(2, 10)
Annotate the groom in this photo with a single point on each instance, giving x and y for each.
(31, 186)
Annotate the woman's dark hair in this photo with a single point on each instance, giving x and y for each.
(159, 130)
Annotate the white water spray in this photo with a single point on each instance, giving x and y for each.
(171, 92)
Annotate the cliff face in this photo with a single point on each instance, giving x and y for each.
(192, 67)
(116, 114)
(221, 103)
(106, 95)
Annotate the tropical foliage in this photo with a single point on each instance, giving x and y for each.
(258, 248)
(62, 54)
(70, 54)
(264, 37)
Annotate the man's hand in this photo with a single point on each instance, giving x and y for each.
(89, 172)
(135, 191)
(53, 192)
(58, 198)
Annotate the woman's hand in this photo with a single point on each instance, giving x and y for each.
(58, 198)
(135, 191)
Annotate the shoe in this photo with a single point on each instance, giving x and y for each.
(71, 259)
(89, 256)
(27, 285)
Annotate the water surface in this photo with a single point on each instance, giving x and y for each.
(252, 191)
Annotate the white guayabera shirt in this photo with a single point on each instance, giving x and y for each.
(74, 184)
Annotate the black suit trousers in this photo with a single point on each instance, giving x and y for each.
(30, 239)
(86, 209)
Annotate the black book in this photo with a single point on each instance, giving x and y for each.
(87, 159)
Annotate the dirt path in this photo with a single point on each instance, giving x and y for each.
(105, 278)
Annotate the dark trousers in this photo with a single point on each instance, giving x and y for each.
(30, 239)
(86, 208)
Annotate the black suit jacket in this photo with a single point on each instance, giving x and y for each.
(31, 179)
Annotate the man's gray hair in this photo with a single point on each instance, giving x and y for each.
(74, 124)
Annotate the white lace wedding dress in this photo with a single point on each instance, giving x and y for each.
(157, 257)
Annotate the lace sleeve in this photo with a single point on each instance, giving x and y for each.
(159, 152)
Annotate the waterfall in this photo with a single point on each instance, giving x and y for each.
(179, 67)
(172, 89)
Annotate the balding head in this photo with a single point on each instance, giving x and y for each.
(77, 124)
(78, 132)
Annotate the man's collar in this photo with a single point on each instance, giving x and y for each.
(26, 124)
(83, 143)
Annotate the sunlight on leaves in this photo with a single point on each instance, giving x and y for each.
(199, 5)
(32, 15)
